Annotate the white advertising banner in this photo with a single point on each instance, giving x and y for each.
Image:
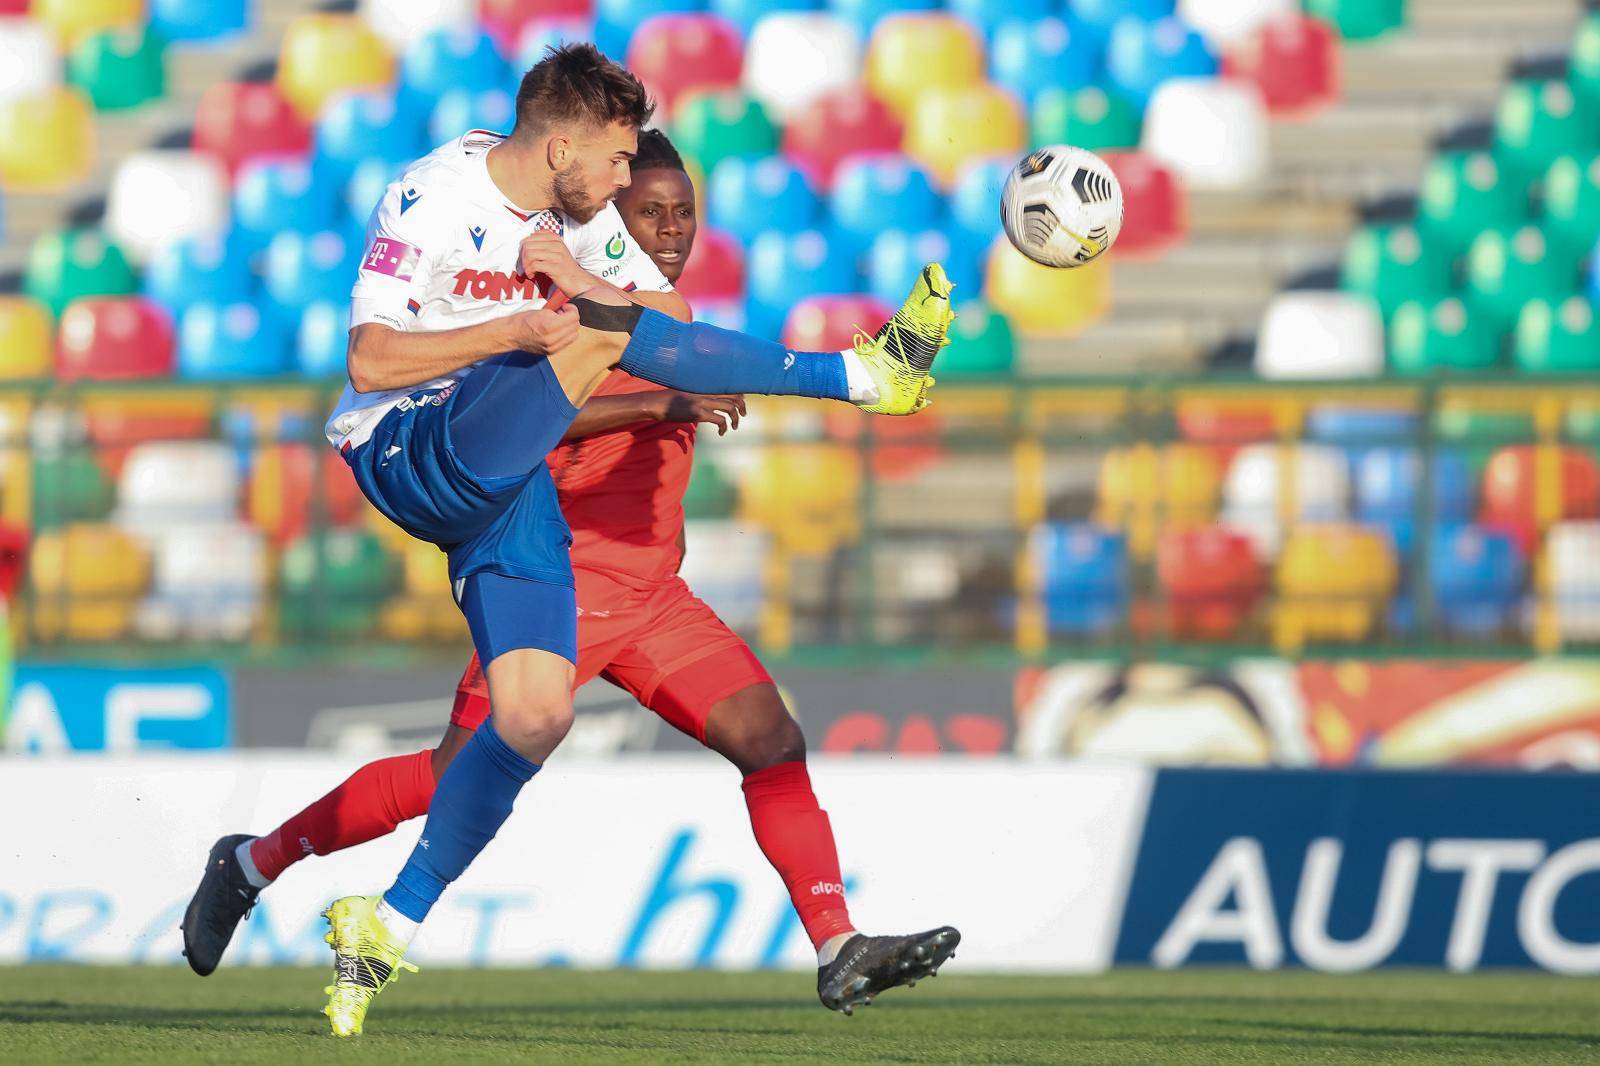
(648, 862)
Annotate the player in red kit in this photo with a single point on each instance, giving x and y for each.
(621, 474)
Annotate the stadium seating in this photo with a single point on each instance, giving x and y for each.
(333, 582)
(323, 339)
(712, 126)
(119, 69)
(198, 20)
(303, 268)
(616, 21)
(974, 202)
(1155, 206)
(292, 485)
(219, 341)
(1333, 582)
(1558, 337)
(1211, 132)
(1143, 491)
(1528, 487)
(806, 496)
(1359, 19)
(167, 485)
(1387, 491)
(872, 194)
(783, 263)
(1269, 486)
(1212, 580)
(895, 258)
(46, 140)
(273, 195)
(112, 338)
(1029, 56)
(205, 268)
(791, 59)
(403, 23)
(25, 339)
(1143, 55)
(1392, 265)
(1090, 118)
(1320, 335)
(865, 15)
(914, 54)
(356, 126)
(1083, 573)
(1233, 22)
(829, 323)
(165, 195)
(1508, 267)
(726, 564)
(716, 270)
(1294, 64)
(1042, 301)
(73, 20)
(1584, 68)
(1572, 579)
(323, 55)
(1462, 195)
(747, 195)
(28, 59)
(1571, 216)
(208, 584)
(836, 125)
(981, 344)
(1538, 121)
(1477, 577)
(1104, 14)
(460, 110)
(677, 54)
(1442, 336)
(450, 56)
(69, 264)
(237, 120)
(948, 128)
(86, 580)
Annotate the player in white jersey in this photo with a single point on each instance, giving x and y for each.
(465, 373)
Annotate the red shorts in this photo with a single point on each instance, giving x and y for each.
(663, 646)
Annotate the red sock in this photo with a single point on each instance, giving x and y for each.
(795, 836)
(365, 806)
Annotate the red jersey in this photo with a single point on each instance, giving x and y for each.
(622, 493)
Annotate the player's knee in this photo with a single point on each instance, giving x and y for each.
(754, 730)
(532, 719)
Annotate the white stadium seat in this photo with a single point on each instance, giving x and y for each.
(1320, 335)
(162, 196)
(1572, 551)
(724, 564)
(1211, 131)
(1253, 491)
(167, 484)
(793, 58)
(403, 22)
(29, 63)
(208, 584)
(1230, 22)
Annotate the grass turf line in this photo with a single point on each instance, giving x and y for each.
(167, 1015)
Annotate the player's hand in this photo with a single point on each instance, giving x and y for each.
(544, 332)
(545, 253)
(720, 411)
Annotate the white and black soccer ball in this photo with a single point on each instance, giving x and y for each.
(1061, 206)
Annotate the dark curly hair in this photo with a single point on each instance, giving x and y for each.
(656, 153)
(577, 84)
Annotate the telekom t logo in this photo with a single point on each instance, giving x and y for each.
(394, 258)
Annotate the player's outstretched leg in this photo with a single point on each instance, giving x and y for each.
(366, 957)
(224, 897)
(868, 965)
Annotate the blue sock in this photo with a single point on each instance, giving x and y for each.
(698, 357)
(471, 802)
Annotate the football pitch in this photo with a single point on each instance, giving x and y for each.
(165, 1015)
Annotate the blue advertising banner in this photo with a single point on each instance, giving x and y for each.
(1343, 871)
(90, 708)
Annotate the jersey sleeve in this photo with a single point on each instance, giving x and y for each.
(606, 249)
(393, 278)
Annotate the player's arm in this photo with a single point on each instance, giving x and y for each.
(604, 413)
(380, 357)
(547, 254)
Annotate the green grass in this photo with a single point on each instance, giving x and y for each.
(166, 1015)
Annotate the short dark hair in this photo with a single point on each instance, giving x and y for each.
(576, 83)
(656, 153)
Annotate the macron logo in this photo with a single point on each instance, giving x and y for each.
(407, 198)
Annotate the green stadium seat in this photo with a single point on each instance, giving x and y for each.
(1440, 337)
(1557, 336)
(1572, 203)
(1458, 423)
(1508, 267)
(1538, 121)
(1463, 195)
(69, 487)
(334, 582)
(711, 127)
(1358, 20)
(709, 495)
(1090, 118)
(1393, 265)
(65, 265)
(1584, 71)
(1583, 422)
(119, 68)
(981, 343)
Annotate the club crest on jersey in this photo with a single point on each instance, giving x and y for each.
(407, 198)
(615, 247)
(477, 237)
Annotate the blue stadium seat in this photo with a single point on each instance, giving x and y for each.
(1029, 56)
(540, 36)
(1477, 576)
(747, 196)
(874, 193)
(454, 57)
(745, 13)
(975, 201)
(198, 20)
(460, 110)
(323, 337)
(615, 20)
(278, 194)
(865, 14)
(367, 184)
(783, 262)
(896, 256)
(985, 16)
(1345, 424)
(1142, 55)
(210, 269)
(1386, 482)
(304, 268)
(359, 125)
(1105, 13)
(1084, 569)
(237, 340)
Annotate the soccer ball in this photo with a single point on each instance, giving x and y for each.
(1061, 206)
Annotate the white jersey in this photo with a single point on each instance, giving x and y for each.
(442, 253)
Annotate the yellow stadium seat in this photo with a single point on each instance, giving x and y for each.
(1145, 491)
(424, 610)
(1334, 582)
(25, 335)
(73, 20)
(87, 582)
(324, 55)
(806, 495)
(948, 128)
(46, 140)
(912, 54)
(1042, 301)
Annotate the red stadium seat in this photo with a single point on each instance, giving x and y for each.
(238, 120)
(716, 269)
(284, 484)
(1223, 420)
(1212, 579)
(107, 338)
(1527, 487)
(829, 323)
(1295, 64)
(1156, 215)
(504, 20)
(676, 54)
(839, 124)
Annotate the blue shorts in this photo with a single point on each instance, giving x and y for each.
(507, 613)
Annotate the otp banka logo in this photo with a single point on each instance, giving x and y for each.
(1347, 871)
